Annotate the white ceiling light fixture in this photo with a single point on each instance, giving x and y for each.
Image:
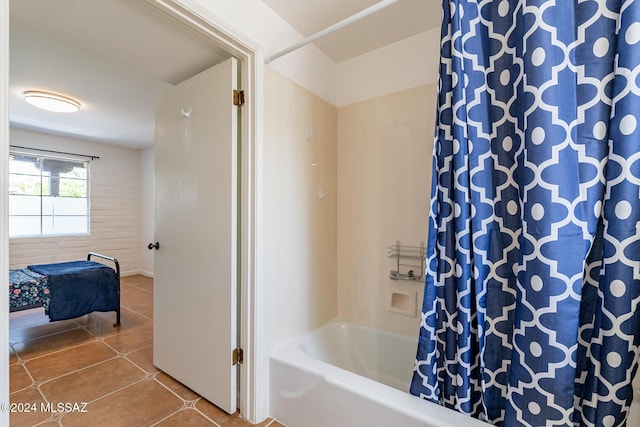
(51, 101)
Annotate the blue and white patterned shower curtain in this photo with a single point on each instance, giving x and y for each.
(530, 313)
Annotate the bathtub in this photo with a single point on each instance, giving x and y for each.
(347, 375)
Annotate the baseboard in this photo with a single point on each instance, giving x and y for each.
(135, 272)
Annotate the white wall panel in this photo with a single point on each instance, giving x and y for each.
(115, 206)
(384, 175)
(300, 227)
(147, 214)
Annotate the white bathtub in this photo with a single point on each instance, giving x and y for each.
(346, 375)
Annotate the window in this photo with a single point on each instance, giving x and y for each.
(47, 196)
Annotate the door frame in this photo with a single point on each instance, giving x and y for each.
(252, 398)
(253, 385)
(4, 211)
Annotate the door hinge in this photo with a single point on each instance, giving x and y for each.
(237, 356)
(238, 98)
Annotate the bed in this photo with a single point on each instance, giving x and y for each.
(67, 289)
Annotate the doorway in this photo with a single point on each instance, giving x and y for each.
(252, 387)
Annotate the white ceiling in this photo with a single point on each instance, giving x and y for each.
(118, 56)
(396, 22)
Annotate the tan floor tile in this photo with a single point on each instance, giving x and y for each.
(275, 423)
(19, 378)
(72, 365)
(109, 319)
(39, 346)
(221, 417)
(186, 418)
(27, 419)
(141, 404)
(125, 287)
(34, 316)
(144, 359)
(101, 324)
(93, 382)
(178, 388)
(131, 339)
(137, 300)
(63, 362)
(139, 281)
(36, 330)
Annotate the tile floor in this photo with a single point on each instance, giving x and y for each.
(88, 360)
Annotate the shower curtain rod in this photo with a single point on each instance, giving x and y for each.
(42, 150)
(353, 18)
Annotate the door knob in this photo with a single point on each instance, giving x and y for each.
(153, 246)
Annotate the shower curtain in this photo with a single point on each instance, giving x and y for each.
(530, 313)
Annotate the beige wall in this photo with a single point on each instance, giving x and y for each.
(147, 211)
(300, 228)
(115, 206)
(328, 258)
(384, 174)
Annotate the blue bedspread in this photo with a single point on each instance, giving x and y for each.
(79, 287)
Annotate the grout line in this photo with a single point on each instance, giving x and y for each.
(139, 288)
(43, 397)
(58, 418)
(202, 413)
(166, 418)
(124, 355)
(137, 312)
(51, 419)
(32, 385)
(116, 391)
(108, 394)
(76, 371)
(20, 359)
(186, 401)
(95, 339)
(134, 363)
(48, 335)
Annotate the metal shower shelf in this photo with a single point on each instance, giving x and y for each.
(410, 261)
